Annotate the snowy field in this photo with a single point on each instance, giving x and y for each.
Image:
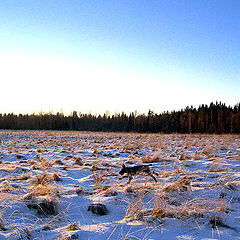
(49, 179)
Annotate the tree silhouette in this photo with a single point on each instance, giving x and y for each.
(215, 118)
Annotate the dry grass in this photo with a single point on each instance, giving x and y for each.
(196, 208)
(149, 159)
(159, 208)
(44, 190)
(182, 156)
(73, 227)
(68, 236)
(98, 177)
(21, 177)
(174, 196)
(217, 166)
(157, 157)
(78, 161)
(137, 208)
(8, 169)
(58, 162)
(46, 179)
(55, 177)
(6, 187)
(43, 179)
(109, 192)
(46, 206)
(39, 150)
(207, 150)
(182, 185)
(178, 170)
(45, 163)
(232, 185)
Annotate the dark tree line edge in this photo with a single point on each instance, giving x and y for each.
(213, 118)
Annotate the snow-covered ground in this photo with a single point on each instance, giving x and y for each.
(48, 180)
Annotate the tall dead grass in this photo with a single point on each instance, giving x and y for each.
(196, 208)
(45, 179)
(182, 185)
(137, 208)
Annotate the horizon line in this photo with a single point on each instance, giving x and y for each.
(111, 113)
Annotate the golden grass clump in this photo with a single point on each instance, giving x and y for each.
(157, 157)
(6, 187)
(39, 150)
(95, 152)
(95, 164)
(173, 154)
(8, 169)
(56, 177)
(207, 150)
(136, 209)
(78, 161)
(182, 185)
(217, 166)
(132, 190)
(43, 179)
(147, 159)
(58, 162)
(44, 163)
(223, 147)
(46, 179)
(68, 157)
(178, 170)
(45, 190)
(159, 208)
(182, 156)
(165, 174)
(110, 192)
(21, 177)
(98, 177)
(31, 161)
(197, 156)
(196, 208)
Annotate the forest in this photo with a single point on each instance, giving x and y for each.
(213, 118)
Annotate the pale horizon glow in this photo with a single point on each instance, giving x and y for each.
(127, 58)
(39, 84)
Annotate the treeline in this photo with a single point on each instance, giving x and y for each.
(215, 118)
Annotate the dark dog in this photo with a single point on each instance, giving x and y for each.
(131, 171)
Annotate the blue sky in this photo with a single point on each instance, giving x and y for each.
(118, 55)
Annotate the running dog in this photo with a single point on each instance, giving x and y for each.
(131, 171)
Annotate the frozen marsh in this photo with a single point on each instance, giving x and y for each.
(49, 179)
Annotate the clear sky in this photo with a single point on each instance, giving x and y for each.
(118, 55)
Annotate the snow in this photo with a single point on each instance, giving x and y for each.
(198, 181)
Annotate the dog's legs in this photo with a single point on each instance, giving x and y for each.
(130, 179)
(153, 177)
(147, 171)
(155, 173)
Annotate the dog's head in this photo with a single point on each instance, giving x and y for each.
(123, 170)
